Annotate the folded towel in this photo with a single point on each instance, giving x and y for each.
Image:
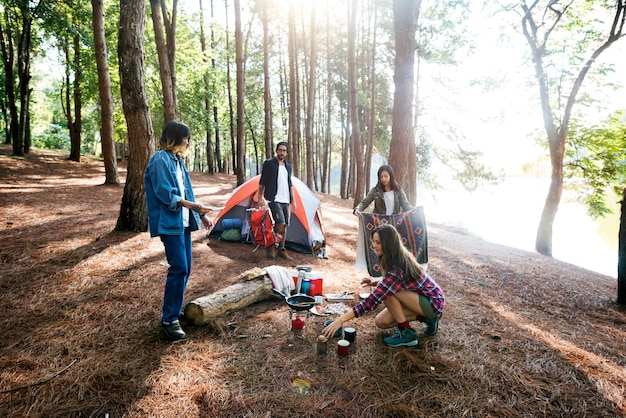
(281, 279)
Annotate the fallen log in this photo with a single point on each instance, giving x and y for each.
(237, 296)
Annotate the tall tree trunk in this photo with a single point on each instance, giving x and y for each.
(8, 60)
(329, 112)
(345, 153)
(372, 119)
(133, 211)
(77, 125)
(231, 114)
(67, 108)
(218, 147)
(241, 140)
(284, 93)
(23, 74)
(170, 34)
(106, 99)
(267, 97)
(208, 108)
(293, 93)
(310, 114)
(402, 155)
(353, 106)
(621, 255)
(165, 69)
(27, 131)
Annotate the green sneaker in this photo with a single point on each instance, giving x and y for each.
(432, 325)
(404, 337)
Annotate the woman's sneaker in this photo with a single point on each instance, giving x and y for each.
(173, 331)
(432, 325)
(404, 337)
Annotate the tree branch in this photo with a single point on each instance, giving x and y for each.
(41, 382)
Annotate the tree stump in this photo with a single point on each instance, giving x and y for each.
(232, 298)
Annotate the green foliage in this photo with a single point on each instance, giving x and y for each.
(442, 28)
(54, 137)
(466, 163)
(424, 154)
(582, 28)
(473, 172)
(595, 162)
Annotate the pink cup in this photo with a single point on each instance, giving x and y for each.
(343, 347)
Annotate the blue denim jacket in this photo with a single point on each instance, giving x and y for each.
(165, 217)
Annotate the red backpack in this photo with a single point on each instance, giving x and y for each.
(262, 227)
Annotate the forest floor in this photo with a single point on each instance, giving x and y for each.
(522, 335)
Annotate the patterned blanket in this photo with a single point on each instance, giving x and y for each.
(412, 228)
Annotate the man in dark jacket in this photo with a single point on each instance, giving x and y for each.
(275, 187)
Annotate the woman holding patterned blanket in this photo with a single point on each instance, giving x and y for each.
(407, 291)
(387, 195)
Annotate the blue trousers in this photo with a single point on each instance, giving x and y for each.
(178, 254)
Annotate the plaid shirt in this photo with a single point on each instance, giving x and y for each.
(394, 282)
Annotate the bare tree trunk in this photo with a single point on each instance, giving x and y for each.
(23, 74)
(67, 107)
(77, 125)
(169, 105)
(133, 211)
(402, 155)
(241, 142)
(230, 96)
(8, 61)
(284, 94)
(310, 174)
(353, 106)
(329, 113)
(267, 97)
(210, 157)
(106, 99)
(372, 110)
(170, 35)
(345, 154)
(621, 257)
(293, 94)
(217, 142)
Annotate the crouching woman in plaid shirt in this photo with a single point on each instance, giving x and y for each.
(407, 291)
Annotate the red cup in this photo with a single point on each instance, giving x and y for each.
(297, 323)
(343, 347)
(316, 287)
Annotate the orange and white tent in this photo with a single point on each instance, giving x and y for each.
(306, 229)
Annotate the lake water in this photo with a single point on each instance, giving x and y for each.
(509, 214)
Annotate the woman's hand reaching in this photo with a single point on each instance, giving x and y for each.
(330, 330)
(368, 282)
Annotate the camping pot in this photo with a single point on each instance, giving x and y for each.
(297, 302)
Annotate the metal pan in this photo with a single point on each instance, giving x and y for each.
(298, 302)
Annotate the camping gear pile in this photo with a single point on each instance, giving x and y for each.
(298, 303)
(305, 233)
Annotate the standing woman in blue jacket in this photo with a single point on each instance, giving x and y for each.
(387, 195)
(172, 214)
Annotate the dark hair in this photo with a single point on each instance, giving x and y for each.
(392, 178)
(394, 252)
(173, 134)
(282, 143)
